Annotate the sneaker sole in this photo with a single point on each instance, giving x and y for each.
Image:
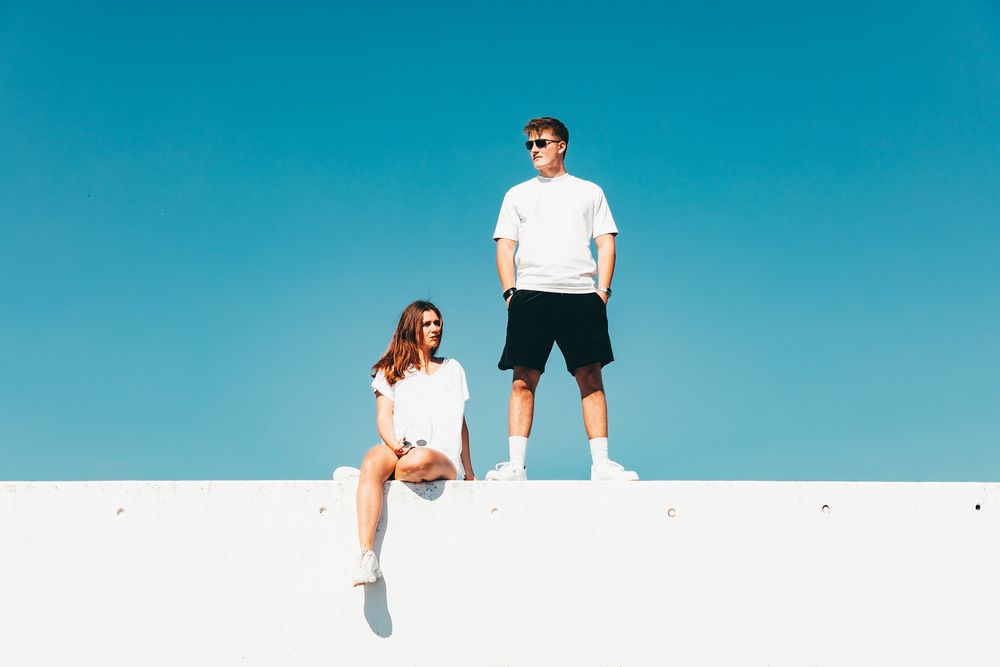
(375, 578)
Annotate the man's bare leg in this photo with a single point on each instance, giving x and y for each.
(595, 420)
(522, 401)
(595, 405)
(519, 416)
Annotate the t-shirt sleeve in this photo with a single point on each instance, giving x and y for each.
(604, 223)
(464, 385)
(508, 222)
(381, 385)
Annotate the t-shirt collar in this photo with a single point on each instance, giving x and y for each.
(561, 177)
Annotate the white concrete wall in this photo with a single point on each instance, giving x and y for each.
(540, 573)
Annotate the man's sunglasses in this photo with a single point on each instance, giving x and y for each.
(540, 143)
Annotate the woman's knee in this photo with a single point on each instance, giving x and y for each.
(414, 462)
(426, 466)
(376, 465)
(416, 466)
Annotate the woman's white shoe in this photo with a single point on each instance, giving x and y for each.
(367, 572)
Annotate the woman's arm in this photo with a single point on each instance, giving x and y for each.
(470, 474)
(386, 426)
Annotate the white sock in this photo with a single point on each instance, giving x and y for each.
(599, 450)
(518, 449)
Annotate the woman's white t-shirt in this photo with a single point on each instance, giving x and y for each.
(433, 405)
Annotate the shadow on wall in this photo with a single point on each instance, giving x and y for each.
(377, 609)
(376, 600)
(426, 490)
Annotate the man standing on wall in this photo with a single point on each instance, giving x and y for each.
(550, 221)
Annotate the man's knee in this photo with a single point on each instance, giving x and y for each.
(525, 379)
(589, 378)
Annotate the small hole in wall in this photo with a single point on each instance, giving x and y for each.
(978, 507)
(322, 509)
(826, 508)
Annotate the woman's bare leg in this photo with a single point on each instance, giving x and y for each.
(376, 467)
(424, 465)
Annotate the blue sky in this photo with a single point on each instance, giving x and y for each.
(212, 214)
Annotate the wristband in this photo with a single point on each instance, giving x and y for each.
(606, 290)
(509, 292)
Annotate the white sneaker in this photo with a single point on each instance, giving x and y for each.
(367, 571)
(506, 472)
(346, 473)
(609, 471)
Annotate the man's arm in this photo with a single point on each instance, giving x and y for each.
(505, 263)
(605, 261)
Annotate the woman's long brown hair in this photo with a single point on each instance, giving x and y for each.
(404, 348)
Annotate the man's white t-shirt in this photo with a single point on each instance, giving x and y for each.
(553, 221)
(433, 405)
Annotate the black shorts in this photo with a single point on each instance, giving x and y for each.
(577, 322)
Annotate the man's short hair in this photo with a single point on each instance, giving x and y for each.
(539, 125)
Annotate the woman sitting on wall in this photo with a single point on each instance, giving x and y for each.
(420, 412)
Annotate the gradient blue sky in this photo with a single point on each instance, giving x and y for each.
(211, 215)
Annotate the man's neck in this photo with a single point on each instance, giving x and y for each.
(552, 172)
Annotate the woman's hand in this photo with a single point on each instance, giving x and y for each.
(402, 447)
(470, 478)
